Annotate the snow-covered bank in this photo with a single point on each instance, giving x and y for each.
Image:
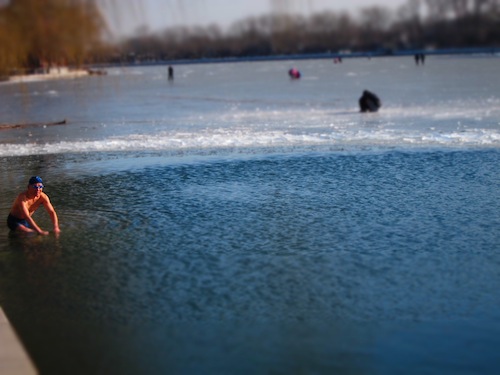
(56, 73)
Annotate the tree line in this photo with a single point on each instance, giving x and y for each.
(35, 35)
(419, 24)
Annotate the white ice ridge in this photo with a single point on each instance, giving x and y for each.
(248, 138)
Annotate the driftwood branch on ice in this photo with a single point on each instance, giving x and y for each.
(31, 125)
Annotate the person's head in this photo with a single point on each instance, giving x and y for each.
(35, 184)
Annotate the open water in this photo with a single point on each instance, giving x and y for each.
(236, 222)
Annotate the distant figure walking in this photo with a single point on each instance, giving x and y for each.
(369, 102)
(170, 73)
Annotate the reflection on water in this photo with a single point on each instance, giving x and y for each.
(319, 263)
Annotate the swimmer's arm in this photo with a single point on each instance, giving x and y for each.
(52, 213)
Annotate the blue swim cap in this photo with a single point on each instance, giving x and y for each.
(35, 180)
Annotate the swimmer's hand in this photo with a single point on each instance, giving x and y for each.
(43, 233)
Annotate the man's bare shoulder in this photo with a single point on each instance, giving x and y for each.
(21, 197)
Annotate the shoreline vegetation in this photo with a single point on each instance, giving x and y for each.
(485, 51)
(44, 35)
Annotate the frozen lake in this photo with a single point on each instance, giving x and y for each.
(236, 222)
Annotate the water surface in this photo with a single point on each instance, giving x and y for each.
(237, 222)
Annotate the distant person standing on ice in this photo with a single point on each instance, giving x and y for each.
(422, 58)
(170, 73)
(25, 205)
(417, 58)
(369, 102)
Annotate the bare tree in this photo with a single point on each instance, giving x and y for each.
(52, 32)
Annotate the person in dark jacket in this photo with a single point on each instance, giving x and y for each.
(369, 102)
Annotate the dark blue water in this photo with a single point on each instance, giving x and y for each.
(236, 222)
(316, 263)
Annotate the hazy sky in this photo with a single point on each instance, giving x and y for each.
(160, 14)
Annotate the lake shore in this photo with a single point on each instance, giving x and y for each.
(57, 73)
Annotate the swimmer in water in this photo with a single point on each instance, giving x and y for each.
(25, 205)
